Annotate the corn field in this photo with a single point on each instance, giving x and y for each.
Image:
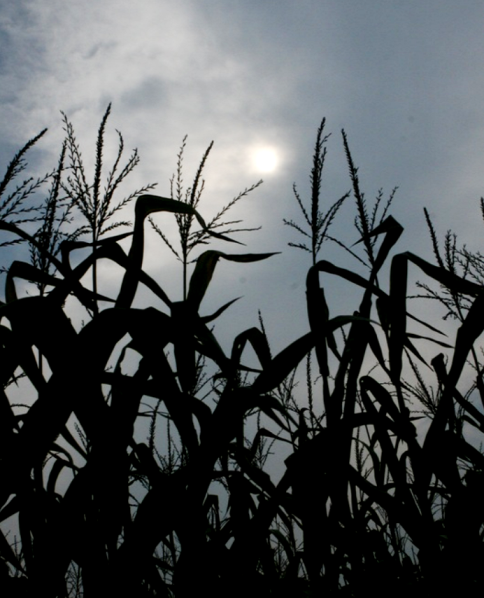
(383, 483)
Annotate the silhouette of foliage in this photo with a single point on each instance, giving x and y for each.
(137, 460)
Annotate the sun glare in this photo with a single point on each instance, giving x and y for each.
(265, 160)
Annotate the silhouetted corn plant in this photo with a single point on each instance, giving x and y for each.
(411, 482)
(97, 206)
(103, 538)
(188, 238)
(105, 505)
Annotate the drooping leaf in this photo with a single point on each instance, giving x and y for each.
(392, 231)
(259, 343)
(218, 312)
(205, 267)
(453, 282)
(146, 205)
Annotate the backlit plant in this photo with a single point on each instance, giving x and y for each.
(138, 462)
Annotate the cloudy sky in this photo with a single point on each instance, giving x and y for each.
(404, 79)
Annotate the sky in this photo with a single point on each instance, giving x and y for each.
(404, 80)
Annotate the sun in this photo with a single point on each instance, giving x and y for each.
(265, 159)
